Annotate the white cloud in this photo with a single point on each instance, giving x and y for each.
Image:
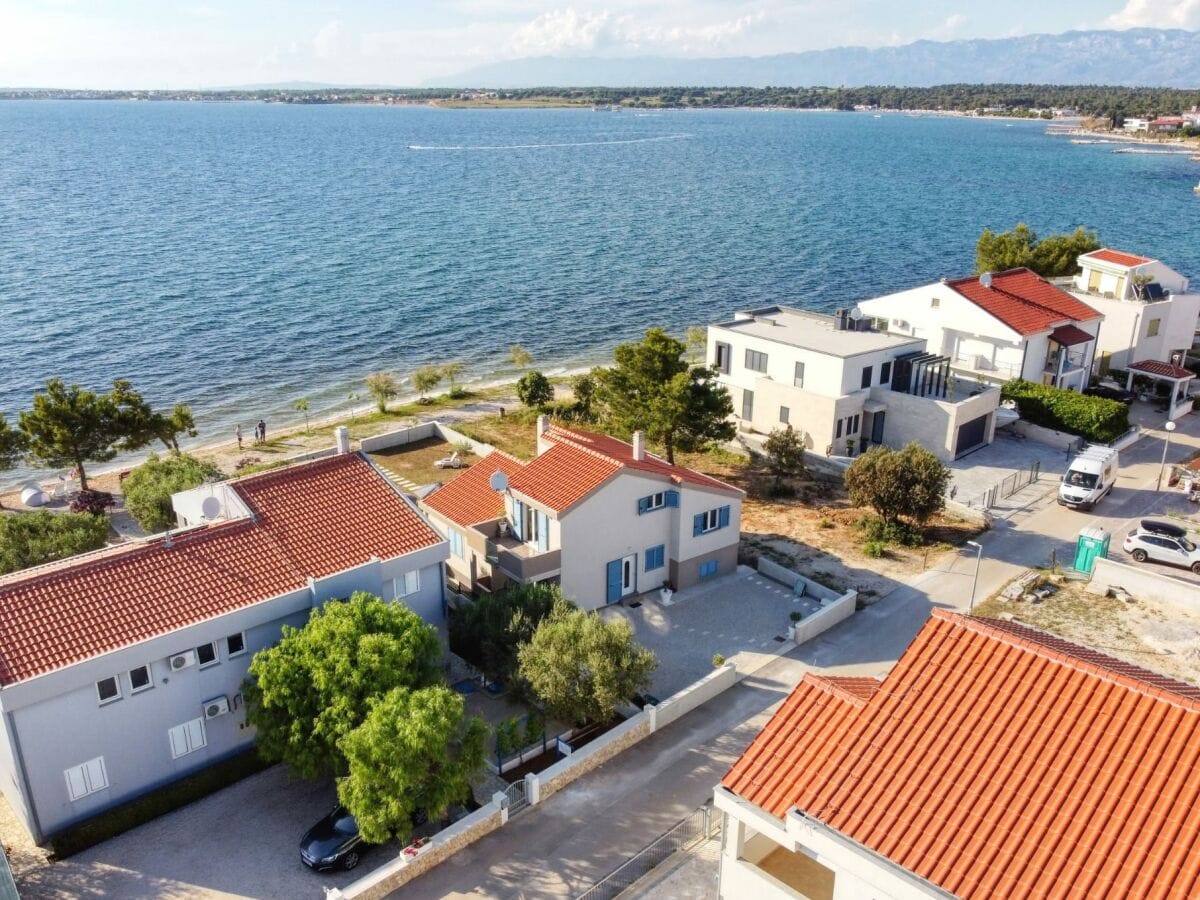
(568, 32)
(1156, 14)
(330, 41)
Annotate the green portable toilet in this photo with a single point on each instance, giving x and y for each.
(1092, 543)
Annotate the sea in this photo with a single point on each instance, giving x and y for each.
(242, 256)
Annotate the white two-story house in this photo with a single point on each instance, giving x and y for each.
(844, 386)
(603, 518)
(1149, 313)
(999, 326)
(122, 670)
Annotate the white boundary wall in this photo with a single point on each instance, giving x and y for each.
(1144, 583)
(421, 432)
(834, 607)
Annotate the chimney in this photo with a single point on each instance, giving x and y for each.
(341, 439)
(639, 446)
(543, 424)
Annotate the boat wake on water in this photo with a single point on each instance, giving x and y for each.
(469, 147)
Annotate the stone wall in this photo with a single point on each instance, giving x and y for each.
(696, 694)
(1048, 436)
(398, 438)
(592, 755)
(1144, 583)
(825, 618)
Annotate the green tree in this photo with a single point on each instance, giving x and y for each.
(142, 425)
(415, 750)
(1057, 255)
(910, 483)
(301, 405)
(178, 422)
(583, 386)
(452, 372)
(314, 687)
(535, 390)
(71, 426)
(1050, 257)
(696, 338)
(651, 388)
(785, 453)
(519, 356)
(582, 667)
(488, 632)
(425, 379)
(382, 386)
(12, 445)
(33, 538)
(149, 487)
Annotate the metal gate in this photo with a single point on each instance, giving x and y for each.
(517, 800)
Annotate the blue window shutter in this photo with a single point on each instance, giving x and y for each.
(643, 504)
(614, 581)
(723, 517)
(543, 531)
(673, 499)
(697, 524)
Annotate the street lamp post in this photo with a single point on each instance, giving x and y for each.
(1170, 426)
(975, 581)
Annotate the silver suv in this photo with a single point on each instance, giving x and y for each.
(1162, 542)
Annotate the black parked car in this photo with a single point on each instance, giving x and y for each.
(334, 842)
(1111, 393)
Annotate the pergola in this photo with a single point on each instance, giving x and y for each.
(1161, 371)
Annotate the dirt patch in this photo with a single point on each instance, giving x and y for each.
(1157, 636)
(515, 433)
(414, 462)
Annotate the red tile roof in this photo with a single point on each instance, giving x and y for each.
(470, 498)
(1166, 370)
(1069, 335)
(1129, 260)
(310, 520)
(997, 761)
(1023, 301)
(580, 461)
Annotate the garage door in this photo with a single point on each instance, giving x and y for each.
(970, 435)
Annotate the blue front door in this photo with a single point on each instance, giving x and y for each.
(614, 581)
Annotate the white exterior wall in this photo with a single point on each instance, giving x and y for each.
(692, 549)
(1127, 325)
(912, 312)
(823, 373)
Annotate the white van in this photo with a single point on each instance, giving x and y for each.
(1089, 477)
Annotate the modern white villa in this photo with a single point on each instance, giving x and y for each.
(997, 327)
(603, 518)
(845, 385)
(121, 670)
(1149, 312)
(992, 761)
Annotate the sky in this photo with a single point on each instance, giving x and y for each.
(174, 44)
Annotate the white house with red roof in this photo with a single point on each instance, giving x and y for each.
(121, 670)
(603, 518)
(993, 761)
(998, 326)
(1149, 312)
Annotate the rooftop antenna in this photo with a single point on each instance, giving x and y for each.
(986, 279)
(210, 508)
(498, 482)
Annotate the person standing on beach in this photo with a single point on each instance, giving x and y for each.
(238, 434)
(262, 431)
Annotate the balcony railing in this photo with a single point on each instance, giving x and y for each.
(1075, 360)
(521, 561)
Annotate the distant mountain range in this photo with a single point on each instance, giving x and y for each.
(1139, 57)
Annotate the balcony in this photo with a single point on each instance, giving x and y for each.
(1075, 360)
(521, 561)
(766, 870)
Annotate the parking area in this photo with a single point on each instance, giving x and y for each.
(743, 616)
(977, 472)
(242, 841)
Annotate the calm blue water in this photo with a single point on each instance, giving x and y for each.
(240, 256)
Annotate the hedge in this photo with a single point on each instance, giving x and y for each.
(143, 809)
(1092, 418)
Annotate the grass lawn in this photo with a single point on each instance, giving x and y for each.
(514, 433)
(415, 461)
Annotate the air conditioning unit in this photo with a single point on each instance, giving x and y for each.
(217, 706)
(183, 660)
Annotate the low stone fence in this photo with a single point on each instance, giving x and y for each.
(789, 579)
(1061, 439)
(421, 432)
(1144, 583)
(398, 872)
(835, 607)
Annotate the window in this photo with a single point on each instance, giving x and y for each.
(885, 373)
(755, 361)
(722, 361)
(656, 557)
(866, 376)
(747, 405)
(206, 655)
(934, 302)
(708, 568)
(140, 679)
(798, 378)
(704, 522)
(659, 500)
(187, 738)
(1152, 328)
(838, 432)
(108, 690)
(852, 424)
(409, 584)
(456, 545)
(784, 413)
(86, 778)
(235, 644)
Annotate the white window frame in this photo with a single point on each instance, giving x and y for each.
(712, 520)
(229, 652)
(657, 500)
(91, 776)
(116, 680)
(753, 357)
(216, 660)
(402, 587)
(187, 737)
(149, 679)
(798, 375)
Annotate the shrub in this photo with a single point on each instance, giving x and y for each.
(910, 482)
(535, 390)
(94, 502)
(535, 727)
(795, 616)
(718, 660)
(780, 489)
(1092, 418)
(824, 523)
(875, 549)
(33, 538)
(879, 531)
(149, 487)
(508, 737)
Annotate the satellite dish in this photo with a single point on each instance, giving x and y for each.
(498, 481)
(855, 312)
(986, 279)
(210, 508)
